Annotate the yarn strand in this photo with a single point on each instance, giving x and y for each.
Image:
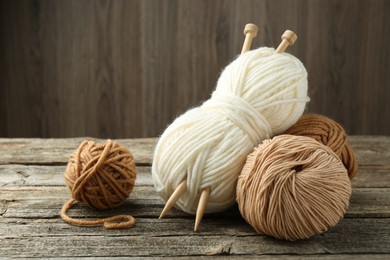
(115, 222)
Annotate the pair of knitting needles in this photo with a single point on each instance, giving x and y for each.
(250, 32)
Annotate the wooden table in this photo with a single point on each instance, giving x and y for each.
(32, 192)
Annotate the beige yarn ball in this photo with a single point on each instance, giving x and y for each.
(293, 187)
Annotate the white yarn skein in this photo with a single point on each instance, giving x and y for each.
(258, 95)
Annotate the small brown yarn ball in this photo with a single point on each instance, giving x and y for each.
(293, 187)
(100, 175)
(329, 133)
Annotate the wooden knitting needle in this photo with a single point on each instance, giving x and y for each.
(250, 32)
(180, 190)
(288, 38)
(204, 197)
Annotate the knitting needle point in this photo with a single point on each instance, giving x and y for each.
(288, 38)
(250, 32)
(204, 197)
(173, 198)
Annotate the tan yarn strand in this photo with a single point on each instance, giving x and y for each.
(80, 182)
(116, 222)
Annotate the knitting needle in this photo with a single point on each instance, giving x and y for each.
(204, 197)
(250, 32)
(288, 38)
(180, 190)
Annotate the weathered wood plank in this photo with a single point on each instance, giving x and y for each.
(45, 202)
(369, 150)
(36, 175)
(57, 151)
(145, 239)
(32, 192)
(263, 257)
(16, 227)
(33, 175)
(144, 226)
(375, 176)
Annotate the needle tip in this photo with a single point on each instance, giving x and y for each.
(196, 227)
(164, 212)
(174, 197)
(204, 197)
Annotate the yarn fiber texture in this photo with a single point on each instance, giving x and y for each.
(329, 133)
(293, 187)
(101, 176)
(258, 95)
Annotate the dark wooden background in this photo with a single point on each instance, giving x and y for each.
(127, 68)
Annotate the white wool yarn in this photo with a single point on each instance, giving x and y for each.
(258, 95)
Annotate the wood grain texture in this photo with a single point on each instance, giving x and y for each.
(123, 69)
(370, 151)
(32, 191)
(51, 175)
(45, 202)
(33, 151)
(43, 241)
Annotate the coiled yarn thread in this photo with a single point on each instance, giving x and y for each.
(101, 176)
(258, 95)
(293, 187)
(329, 133)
